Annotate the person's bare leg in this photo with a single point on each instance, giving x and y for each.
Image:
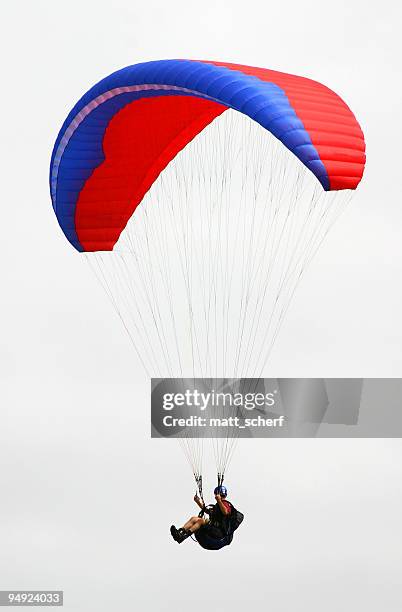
(187, 526)
(194, 524)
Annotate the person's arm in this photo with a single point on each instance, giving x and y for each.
(224, 509)
(199, 502)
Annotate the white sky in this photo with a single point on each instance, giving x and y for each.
(86, 497)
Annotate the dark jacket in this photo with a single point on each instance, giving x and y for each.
(220, 525)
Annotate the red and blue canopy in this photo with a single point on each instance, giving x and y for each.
(125, 130)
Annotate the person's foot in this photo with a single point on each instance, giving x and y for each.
(179, 535)
(175, 534)
(182, 535)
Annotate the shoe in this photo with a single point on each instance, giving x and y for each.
(182, 535)
(175, 534)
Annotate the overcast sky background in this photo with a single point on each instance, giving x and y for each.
(86, 497)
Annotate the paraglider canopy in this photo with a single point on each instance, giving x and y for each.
(241, 172)
(125, 130)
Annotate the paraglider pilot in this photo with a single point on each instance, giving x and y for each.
(214, 530)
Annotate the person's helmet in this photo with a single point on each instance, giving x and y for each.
(221, 490)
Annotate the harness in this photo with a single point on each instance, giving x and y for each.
(205, 536)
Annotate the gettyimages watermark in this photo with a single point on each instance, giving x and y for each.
(219, 410)
(276, 407)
